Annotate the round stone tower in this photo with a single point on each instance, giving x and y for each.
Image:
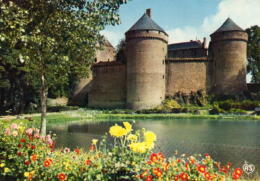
(229, 53)
(146, 49)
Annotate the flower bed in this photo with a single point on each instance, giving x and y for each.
(25, 155)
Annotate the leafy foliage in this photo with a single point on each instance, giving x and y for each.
(254, 52)
(53, 40)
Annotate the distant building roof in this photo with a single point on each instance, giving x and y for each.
(185, 45)
(145, 23)
(229, 25)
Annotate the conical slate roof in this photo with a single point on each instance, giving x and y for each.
(145, 23)
(229, 25)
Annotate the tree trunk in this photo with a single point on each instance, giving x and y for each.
(43, 95)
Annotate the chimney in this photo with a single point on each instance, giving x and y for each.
(149, 12)
(204, 43)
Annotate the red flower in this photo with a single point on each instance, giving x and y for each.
(206, 155)
(22, 140)
(52, 146)
(224, 169)
(187, 166)
(184, 176)
(158, 172)
(176, 178)
(77, 151)
(178, 160)
(27, 162)
(19, 153)
(153, 157)
(207, 176)
(149, 178)
(238, 171)
(34, 157)
(149, 162)
(201, 168)
(61, 176)
(33, 147)
(47, 162)
(235, 176)
(161, 156)
(20, 146)
(88, 162)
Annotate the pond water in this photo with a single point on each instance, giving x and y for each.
(225, 140)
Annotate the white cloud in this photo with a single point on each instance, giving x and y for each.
(113, 37)
(245, 13)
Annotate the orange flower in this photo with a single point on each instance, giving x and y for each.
(184, 176)
(149, 178)
(161, 156)
(143, 174)
(47, 162)
(61, 176)
(34, 157)
(77, 151)
(238, 171)
(207, 176)
(201, 168)
(88, 162)
(158, 172)
(166, 166)
(153, 157)
(235, 176)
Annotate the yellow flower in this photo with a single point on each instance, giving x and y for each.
(149, 145)
(6, 170)
(2, 165)
(149, 136)
(94, 141)
(26, 174)
(117, 131)
(138, 147)
(127, 126)
(131, 137)
(21, 128)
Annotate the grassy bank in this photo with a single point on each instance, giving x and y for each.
(97, 115)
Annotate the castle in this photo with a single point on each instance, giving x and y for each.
(155, 70)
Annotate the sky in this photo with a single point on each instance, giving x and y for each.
(186, 20)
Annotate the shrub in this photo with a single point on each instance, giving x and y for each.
(27, 156)
(243, 105)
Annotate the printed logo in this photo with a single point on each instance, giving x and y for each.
(248, 168)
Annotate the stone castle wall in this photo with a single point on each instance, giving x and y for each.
(146, 52)
(186, 75)
(108, 85)
(188, 53)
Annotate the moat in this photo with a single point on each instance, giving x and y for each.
(226, 140)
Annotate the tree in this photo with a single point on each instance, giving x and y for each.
(57, 38)
(254, 53)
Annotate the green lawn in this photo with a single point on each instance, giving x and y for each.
(97, 115)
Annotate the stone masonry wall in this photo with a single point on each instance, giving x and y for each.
(186, 75)
(109, 85)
